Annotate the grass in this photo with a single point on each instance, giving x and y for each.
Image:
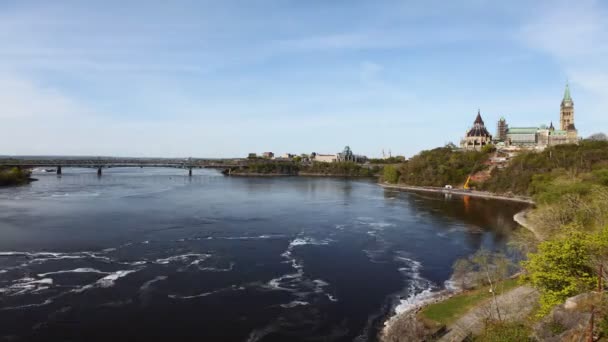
(449, 310)
(504, 332)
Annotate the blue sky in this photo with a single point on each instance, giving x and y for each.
(224, 78)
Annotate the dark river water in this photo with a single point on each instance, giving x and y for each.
(148, 254)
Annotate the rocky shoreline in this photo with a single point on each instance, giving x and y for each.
(409, 318)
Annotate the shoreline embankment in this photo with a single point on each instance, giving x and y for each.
(299, 174)
(458, 192)
(445, 293)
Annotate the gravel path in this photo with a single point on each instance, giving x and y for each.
(514, 305)
(459, 192)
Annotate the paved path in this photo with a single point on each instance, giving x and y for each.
(514, 305)
(458, 192)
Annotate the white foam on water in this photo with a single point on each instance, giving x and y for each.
(331, 298)
(41, 257)
(277, 283)
(146, 286)
(76, 270)
(415, 300)
(214, 269)
(451, 285)
(380, 225)
(110, 280)
(308, 241)
(340, 226)
(420, 290)
(257, 334)
(294, 303)
(259, 237)
(46, 302)
(105, 282)
(205, 294)
(27, 285)
(182, 258)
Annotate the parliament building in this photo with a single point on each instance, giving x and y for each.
(526, 137)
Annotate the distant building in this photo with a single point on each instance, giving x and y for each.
(325, 158)
(543, 136)
(268, 155)
(288, 156)
(501, 130)
(522, 136)
(348, 156)
(566, 112)
(477, 137)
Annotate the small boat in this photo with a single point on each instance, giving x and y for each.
(49, 170)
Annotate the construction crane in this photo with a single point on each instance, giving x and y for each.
(466, 184)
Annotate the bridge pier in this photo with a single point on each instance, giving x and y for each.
(58, 170)
(99, 171)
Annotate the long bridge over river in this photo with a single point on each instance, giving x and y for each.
(106, 162)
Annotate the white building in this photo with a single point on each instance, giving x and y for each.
(325, 158)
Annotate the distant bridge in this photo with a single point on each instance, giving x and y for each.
(101, 163)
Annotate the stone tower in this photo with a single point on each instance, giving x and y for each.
(501, 129)
(566, 113)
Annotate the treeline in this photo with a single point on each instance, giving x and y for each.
(437, 167)
(346, 169)
(533, 173)
(285, 168)
(389, 160)
(342, 169)
(13, 176)
(569, 184)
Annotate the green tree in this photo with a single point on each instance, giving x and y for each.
(560, 269)
(390, 174)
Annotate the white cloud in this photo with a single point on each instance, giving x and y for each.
(575, 35)
(24, 99)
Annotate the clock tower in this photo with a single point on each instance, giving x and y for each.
(566, 113)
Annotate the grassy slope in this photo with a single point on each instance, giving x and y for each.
(449, 310)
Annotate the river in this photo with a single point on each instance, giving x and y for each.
(146, 254)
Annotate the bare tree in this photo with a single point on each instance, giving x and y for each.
(598, 137)
(462, 268)
(493, 267)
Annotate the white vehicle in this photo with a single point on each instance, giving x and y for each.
(448, 187)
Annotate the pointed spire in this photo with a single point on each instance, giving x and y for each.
(478, 119)
(567, 97)
(551, 126)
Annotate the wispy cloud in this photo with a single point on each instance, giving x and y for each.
(220, 78)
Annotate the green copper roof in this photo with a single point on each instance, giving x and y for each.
(567, 97)
(522, 130)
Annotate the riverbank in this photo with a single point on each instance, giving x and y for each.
(472, 193)
(299, 174)
(522, 219)
(412, 318)
(14, 176)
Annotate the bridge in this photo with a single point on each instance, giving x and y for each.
(100, 163)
